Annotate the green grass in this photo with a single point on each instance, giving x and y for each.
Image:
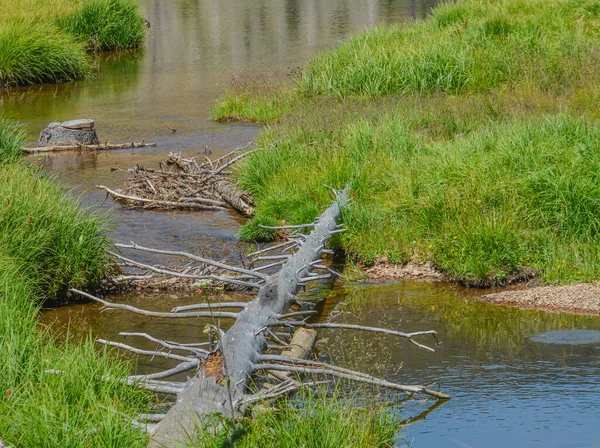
(470, 139)
(106, 24)
(71, 409)
(35, 53)
(47, 244)
(61, 244)
(48, 42)
(465, 46)
(310, 420)
(11, 140)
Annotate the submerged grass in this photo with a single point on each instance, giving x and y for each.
(48, 41)
(470, 138)
(47, 244)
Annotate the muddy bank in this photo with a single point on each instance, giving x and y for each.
(579, 298)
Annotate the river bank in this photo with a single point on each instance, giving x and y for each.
(469, 137)
(47, 244)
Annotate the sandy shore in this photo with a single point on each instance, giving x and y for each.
(578, 298)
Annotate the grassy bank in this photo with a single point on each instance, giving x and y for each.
(470, 139)
(47, 243)
(48, 41)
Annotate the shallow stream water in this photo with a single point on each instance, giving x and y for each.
(509, 387)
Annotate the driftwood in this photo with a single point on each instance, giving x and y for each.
(237, 357)
(101, 147)
(183, 183)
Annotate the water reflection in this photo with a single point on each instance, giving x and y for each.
(506, 389)
(193, 48)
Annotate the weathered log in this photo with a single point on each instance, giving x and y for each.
(223, 374)
(84, 147)
(244, 342)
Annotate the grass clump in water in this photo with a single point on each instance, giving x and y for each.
(47, 42)
(35, 53)
(106, 24)
(311, 420)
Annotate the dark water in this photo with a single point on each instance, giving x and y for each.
(508, 389)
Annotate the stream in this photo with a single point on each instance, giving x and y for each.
(518, 378)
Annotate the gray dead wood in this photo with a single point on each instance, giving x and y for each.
(242, 345)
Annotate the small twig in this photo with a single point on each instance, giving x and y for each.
(181, 368)
(194, 257)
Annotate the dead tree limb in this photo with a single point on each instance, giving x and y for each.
(220, 384)
(133, 309)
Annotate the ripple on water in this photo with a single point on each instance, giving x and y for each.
(569, 337)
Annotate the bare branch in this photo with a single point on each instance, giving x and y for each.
(408, 336)
(215, 314)
(194, 257)
(170, 345)
(151, 417)
(181, 368)
(270, 248)
(299, 226)
(209, 305)
(359, 378)
(267, 266)
(139, 351)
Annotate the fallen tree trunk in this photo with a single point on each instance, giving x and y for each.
(220, 384)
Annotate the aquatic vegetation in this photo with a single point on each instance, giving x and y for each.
(44, 42)
(470, 139)
(312, 420)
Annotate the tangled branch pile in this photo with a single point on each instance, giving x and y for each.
(183, 183)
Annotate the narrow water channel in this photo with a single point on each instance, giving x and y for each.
(509, 388)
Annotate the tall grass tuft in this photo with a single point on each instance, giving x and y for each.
(61, 244)
(11, 140)
(106, 24)
(36, 52)
(312, 420)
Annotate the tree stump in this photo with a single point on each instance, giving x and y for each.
(69, 133)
